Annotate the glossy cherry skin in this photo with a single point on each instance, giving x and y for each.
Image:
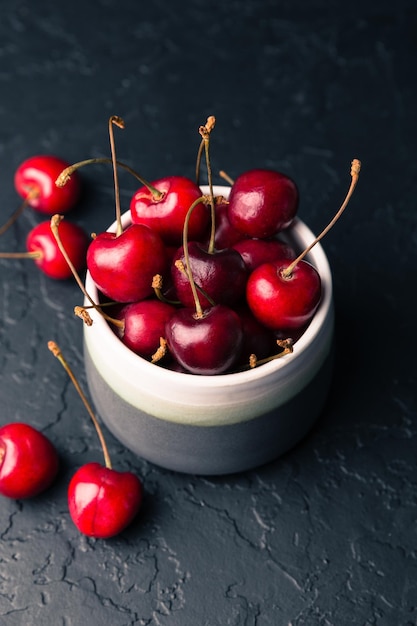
(262, 203)
(167, 215)
(28, 461)
(255, 252)
(102, 502)
(52, 262)
(222, 275)
(205, 345)
(144, 325)
(225, 235)
(123, 266)
(284, 303)
(39, 173)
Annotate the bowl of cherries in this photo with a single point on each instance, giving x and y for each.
(210, 321)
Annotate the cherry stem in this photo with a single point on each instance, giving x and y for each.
(199, 308)
(36, 254)
(287, 348)
(117, 121)
(56, 351)
(354, 172)
(205, 132)
(33, 193)
(54, 224)
(66, 174)
(226, 177)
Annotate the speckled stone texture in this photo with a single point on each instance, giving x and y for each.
(327, 534)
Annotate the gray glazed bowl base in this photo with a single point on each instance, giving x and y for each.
(211, 450)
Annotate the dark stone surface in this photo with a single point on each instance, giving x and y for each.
(327, 534)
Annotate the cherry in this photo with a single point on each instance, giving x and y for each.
(257, 339)
(262, 203)
(255, 252)
(35, 182)
(43, 249)
(205, 343)
(144, 325)
(101, 501)
(286, 294)
(165, 213)
(28, 461)
(123, 266)
(221, 275)
(225, 235)
(284, 299)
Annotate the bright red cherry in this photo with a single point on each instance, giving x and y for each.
(284, 300)
(225, 234)
(40, 241)
(205, 344)
(102, 501)
(123, 266)
(28, 461)
(35, 180)
(166, 214)
(262, 203)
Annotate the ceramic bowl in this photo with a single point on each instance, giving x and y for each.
(212, 425)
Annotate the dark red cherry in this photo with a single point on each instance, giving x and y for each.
(166, 215)
(36, 177)
(28, 461)
(255, 252)
(144, 325)
(257, 338)
(123, 266)
(208, 344)
(221, 275)
(262, 203)
(282, 301)
(225, 234)
(41, 243)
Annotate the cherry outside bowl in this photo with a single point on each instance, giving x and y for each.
(213, 425)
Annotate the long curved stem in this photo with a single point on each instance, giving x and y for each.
(56, 351)
(354, 172)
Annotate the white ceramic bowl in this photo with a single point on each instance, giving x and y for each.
(213, 424)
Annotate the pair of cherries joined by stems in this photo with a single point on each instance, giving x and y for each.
(102, 501)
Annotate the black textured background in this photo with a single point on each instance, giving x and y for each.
(326, 535)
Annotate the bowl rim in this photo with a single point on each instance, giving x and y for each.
(298, 230)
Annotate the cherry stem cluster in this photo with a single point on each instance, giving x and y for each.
(354, 172)
(56, 351)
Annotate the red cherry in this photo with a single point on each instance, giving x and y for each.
(255, 252)
(50, 259)
(283, 301)
(144, 325)
(257, 339)
(36, 178)
(28, 461)
(225, 234)
(103, 501)
(123, 266)
(262, 203)
(205, 344)
(166, 214)
(221, 275)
